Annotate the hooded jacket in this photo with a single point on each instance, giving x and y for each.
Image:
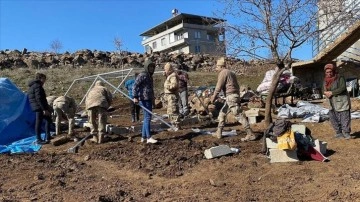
(66, 104)
(37, 96)
(171, 85)
(98, 96)
(143, 88)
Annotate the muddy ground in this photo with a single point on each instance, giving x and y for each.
(124, 169)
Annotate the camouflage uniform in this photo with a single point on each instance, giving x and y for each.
(97, 102)
(227, 82)
(64, 107)
(232, 106)
(50, 100)
(171, 90)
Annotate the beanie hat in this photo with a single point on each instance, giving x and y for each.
(221, 62)
(99, 83)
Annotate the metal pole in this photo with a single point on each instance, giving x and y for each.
(158, 117)
(70, 87)
(123, 79)
(87, 92)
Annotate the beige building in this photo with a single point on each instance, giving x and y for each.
(186, 33)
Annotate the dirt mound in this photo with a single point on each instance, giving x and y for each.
(123, 169)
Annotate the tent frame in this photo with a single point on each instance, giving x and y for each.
(111, 75)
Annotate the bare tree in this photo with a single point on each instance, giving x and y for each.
(118, 46)
(275, 26)
(56, 46)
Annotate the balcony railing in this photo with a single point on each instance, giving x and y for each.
(327, 37)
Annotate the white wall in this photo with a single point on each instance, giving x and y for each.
(183, 37)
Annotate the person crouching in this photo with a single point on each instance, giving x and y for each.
(64, 106)
(97, 102)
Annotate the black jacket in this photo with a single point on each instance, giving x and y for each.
(37, 96)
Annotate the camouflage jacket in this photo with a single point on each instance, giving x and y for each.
(98, 96)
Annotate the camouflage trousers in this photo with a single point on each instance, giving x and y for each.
(232, 105)
(62, 111)
(99, 113)
(173, 107)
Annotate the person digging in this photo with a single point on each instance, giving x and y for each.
(227, 82)
(64, 106)
(97, 102)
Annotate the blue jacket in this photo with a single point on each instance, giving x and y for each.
(129, 86)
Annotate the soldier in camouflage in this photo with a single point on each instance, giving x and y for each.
(97, 102)
(227, 82)
(171, 90)
(64, 106)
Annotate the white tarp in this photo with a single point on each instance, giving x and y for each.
(311, 112)
(355, 115)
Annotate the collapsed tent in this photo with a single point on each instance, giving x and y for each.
(16, 120)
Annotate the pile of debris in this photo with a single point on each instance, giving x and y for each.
(10, 59)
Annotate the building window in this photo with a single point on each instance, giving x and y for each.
(154, 45)
(163, 42)
(179, 36)
(197, 49)
(197, 35)
(210, 37)
(148, 49)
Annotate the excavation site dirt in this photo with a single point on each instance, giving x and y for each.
(175, 169)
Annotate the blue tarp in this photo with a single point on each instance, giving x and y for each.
(26, 145)
(16, 120)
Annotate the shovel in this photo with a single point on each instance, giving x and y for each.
(75, 148)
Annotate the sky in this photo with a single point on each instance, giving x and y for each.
(93, 24)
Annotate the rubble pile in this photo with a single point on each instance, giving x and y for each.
(11, 59)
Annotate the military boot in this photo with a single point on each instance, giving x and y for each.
(57, 131)
(250, 136)
(218, 133)
(101, 138)
(94, 138)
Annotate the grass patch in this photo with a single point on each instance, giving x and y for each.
(60, 79)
